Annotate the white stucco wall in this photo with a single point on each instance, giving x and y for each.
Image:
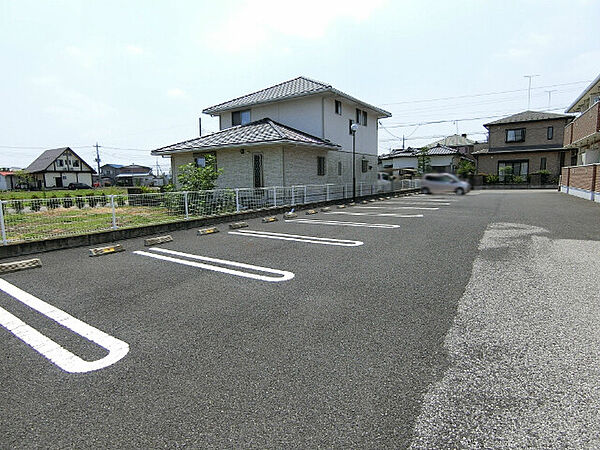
(336, 127)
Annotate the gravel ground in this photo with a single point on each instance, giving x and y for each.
(524, 349)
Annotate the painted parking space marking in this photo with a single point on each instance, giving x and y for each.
(375, 214)
(419, 202)
(424, 208)
(298, 238)
(281, 275)
(344, 224)
(63, 358)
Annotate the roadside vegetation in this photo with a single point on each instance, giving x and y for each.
(60, 193)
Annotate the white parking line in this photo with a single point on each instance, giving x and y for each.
(373, 214)
(64, 359)
(284, 275)
(424, 208)
(344, 224)
(298, 238)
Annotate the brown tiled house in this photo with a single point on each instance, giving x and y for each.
(526, 143)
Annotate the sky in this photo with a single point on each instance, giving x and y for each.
(134, 76)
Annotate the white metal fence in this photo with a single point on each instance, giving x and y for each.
(43, 218)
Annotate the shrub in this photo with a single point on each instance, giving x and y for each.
(492, 179)
(518, 179)
(67, 201)
(91, 200)
(80, 202)
(53, 202)
(35, 203)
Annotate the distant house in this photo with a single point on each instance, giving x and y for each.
(58, 167)
(458, 142)
(526, 143)
(441, 159)
(109, 172)
(296, 132)
(7, 180)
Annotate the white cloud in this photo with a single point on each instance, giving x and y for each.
(176, 93)
(258, 21)
(83, 58)
(134, 50)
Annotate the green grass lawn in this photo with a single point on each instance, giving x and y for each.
(20, 195)
(74, 221)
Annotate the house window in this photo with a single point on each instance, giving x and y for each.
(550, 133)
(320, 165)
(515, 135)
(338, 107)
(339, 168)
(542, 163)
(507, 170)
(76, 163)
(61, 163)
(240, 117)
(201, 160)
(361, 117)
(365, 165)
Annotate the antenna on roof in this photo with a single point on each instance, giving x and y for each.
(200, 126)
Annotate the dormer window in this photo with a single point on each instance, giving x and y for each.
(240, 117)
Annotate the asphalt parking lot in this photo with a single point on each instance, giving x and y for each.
(334, 329)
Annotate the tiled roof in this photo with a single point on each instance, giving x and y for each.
(438, 150)
(456, 140)
(528, 116)
(298, 87)
(264, 131)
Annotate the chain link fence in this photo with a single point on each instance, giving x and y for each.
(44, 218)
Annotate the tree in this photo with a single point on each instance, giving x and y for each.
(423, 160)
(465, 168)
(24, 177)
(192, 178)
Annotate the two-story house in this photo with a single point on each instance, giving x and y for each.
(296, 132)
(59, 167)
(583, 134)
(526, 143)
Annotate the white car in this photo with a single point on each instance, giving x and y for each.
(384, 183)
(436, 183)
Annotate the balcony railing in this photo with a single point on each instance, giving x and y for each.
(585, 125)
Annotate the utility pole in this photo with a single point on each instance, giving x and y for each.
(98, 162)
(402, 142)
(529, 90)
(200, 126)
(550, 97)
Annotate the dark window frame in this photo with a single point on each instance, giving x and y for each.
(364, 165)
(543, 163)
(520, 131)
(321, 165)
(512, 163)
(550, 133)
(338, 107)
(361, 117)
(237, 117)
(340, 168)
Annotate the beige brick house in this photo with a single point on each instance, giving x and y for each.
(526, 142)
(296, 132)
